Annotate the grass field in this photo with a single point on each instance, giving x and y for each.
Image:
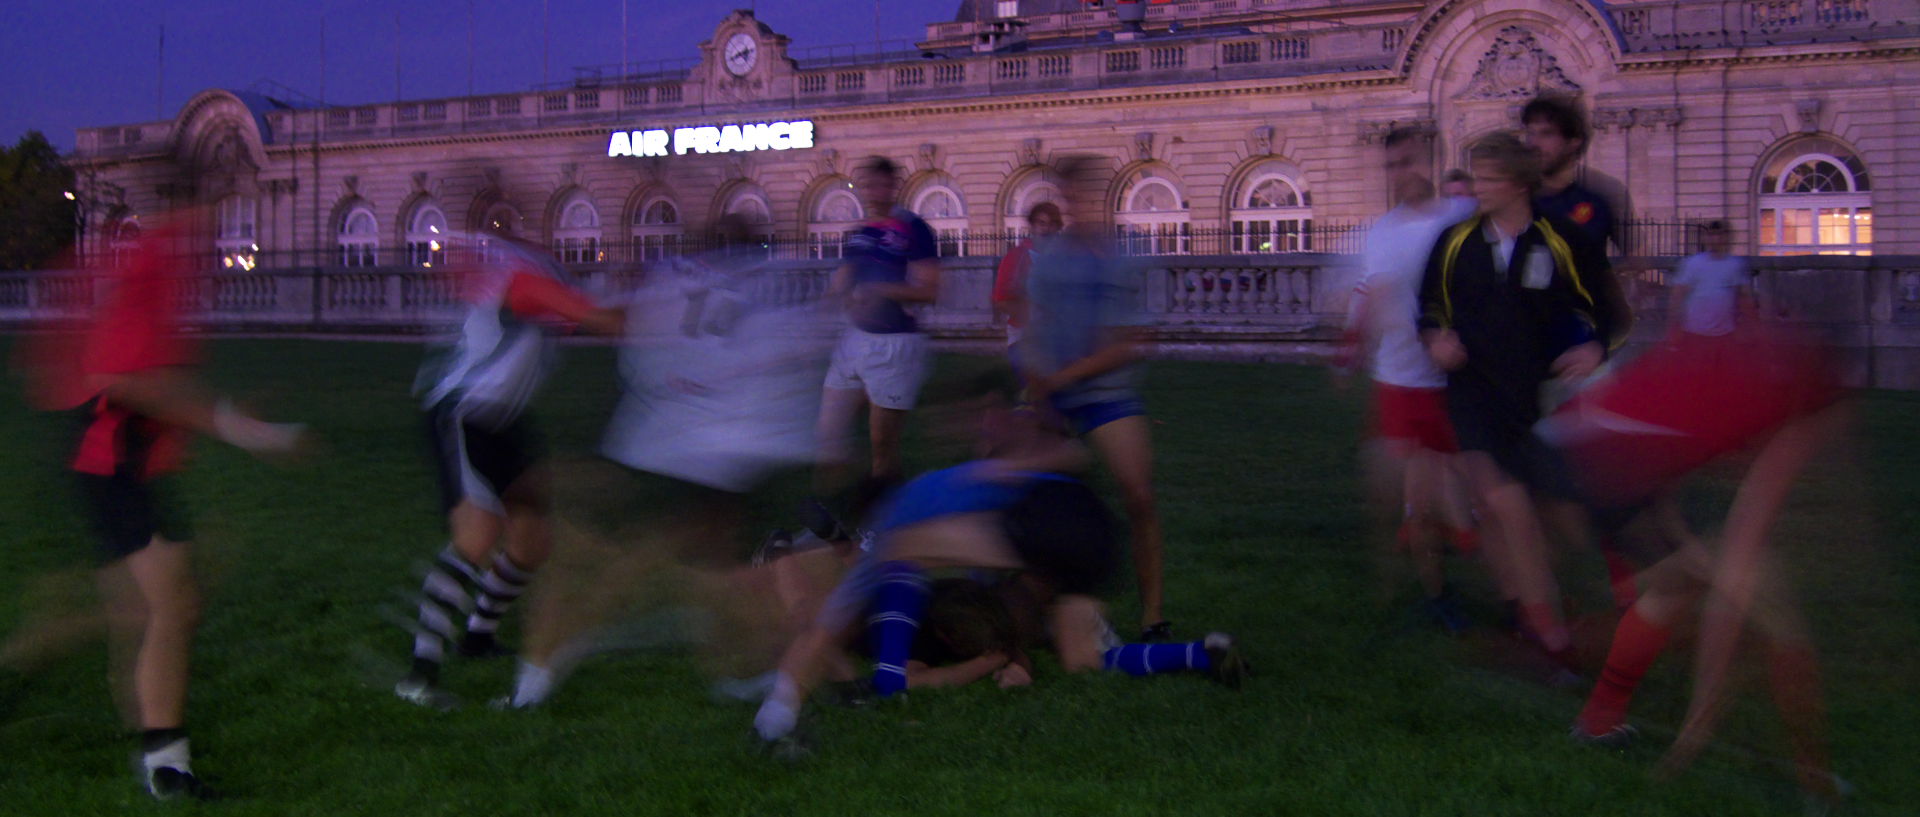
(1267, 538)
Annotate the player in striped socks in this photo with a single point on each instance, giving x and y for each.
(492, 487)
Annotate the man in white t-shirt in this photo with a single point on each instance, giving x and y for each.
(1415, 437)
(1711, 288)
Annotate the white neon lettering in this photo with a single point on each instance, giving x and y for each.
(651, 143)
(709, 139)
(756, 137)
(712, 139)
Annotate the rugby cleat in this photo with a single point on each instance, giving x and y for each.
(420, 693)
(167, 783)
(1618, 738)
(1226, 666)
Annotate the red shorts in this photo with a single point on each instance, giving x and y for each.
(1415, 415)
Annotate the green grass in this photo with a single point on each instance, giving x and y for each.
(1266, 537)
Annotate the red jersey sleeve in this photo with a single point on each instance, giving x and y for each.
(1010, 278)
(538, 297)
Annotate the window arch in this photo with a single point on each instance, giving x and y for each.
(836, 212)
(1032, 190)
(123, 234)
(426, 237)
(359, 237)
(942, 208)
(235, 238)
(576, 233)
(1151, 215)
(1271, 211)
(747, 202)
(657, 230)
(1815, 198)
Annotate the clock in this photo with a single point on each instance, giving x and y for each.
(741, 52)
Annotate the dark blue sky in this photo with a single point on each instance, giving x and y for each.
(79, 63)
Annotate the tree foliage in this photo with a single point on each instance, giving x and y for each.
(36, 219)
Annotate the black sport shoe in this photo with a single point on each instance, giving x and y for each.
(815, 517)
(481, 645)
(1226, 666)
(1156, 632)
(422, 693)
(168, 783)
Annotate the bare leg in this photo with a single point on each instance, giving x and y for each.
(162, 574)
(1127, 447)
(884, 428)
(838, 408)
(1528, 568)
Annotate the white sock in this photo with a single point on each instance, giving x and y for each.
(171, 756)
(780, 712)
(531, 685)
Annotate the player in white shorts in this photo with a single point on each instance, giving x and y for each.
(882, 357)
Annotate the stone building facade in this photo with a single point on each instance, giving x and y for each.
(1227, 126)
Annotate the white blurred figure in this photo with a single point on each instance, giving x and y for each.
(1414, 441)
(720, 389)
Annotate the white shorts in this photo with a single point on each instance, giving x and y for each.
(890, 368)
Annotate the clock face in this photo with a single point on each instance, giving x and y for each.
(741, 53)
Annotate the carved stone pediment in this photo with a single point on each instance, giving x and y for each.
(1516, 67)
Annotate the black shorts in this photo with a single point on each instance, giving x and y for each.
(476, 462)
(1481, 423)
(127, 512)
(1064, 534)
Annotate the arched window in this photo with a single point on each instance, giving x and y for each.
(940, 206)
(656, 230)
(1033, 190)
(576, 236)
(1152, 217)
(234, 237)
(427, 236)
(1272, 212)
(751, 206)
(359, 238)
(123, 233)
(835, 213)
(499, 219)
(1815, 199)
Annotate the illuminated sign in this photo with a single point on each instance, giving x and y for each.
(710, 139)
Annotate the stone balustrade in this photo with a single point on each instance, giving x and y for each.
(1229, 306)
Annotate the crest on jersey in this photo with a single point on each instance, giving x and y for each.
(1582, 213)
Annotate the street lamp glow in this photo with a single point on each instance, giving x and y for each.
(69, 195)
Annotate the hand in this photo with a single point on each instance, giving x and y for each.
(1012, 675)
(1443, 345)
(1579, 361)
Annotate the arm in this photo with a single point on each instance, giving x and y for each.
(1436, 321)
(922, 285)
(921, 676)
(173, 396)
(537, 296)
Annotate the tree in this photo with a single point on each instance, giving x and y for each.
(36, 217)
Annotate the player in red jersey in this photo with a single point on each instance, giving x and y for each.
(1629, 441)
(128, 377)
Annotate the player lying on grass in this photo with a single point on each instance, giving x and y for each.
(1016, 511)
(1630, 441)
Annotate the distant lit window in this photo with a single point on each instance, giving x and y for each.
(359, 238)
(1272, 213)
(836, 213)
(1815, 199)
(1152, 218)
(235, 238)
(576, 238)
(427, 236)
(657, 230)
(940, 206)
